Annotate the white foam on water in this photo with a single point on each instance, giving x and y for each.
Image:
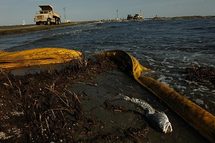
(206, 106)
(170, 66)
(181, 87)
(199, 101)
(185, 59)
(68, 32)
(203, 88)
(165, 61)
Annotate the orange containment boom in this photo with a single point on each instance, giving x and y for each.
(199, 118)
(37, 57)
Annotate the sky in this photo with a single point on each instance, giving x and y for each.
(15, 12)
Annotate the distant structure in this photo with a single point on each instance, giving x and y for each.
(135, 17)
(157, 18)
(64, 14)
(130, 17)
(117, 14)
(23, 22)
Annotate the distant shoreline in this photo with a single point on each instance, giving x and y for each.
(182, 17)
(18, 29)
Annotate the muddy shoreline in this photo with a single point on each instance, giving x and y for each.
(77, 104)
(18, 29)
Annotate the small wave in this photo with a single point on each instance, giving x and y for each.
(210, 46)
(68, 32)
(203, 28)
(165, 79)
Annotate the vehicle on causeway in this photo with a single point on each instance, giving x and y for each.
(47, 16)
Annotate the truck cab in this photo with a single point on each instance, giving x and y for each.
(47, 16)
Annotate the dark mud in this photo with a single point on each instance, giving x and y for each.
(44, 107)
(78, 104)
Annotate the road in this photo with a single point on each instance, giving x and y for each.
(16, 29)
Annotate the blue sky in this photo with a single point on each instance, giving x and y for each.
(15, 11)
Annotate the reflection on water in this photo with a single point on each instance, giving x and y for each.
(168, 47)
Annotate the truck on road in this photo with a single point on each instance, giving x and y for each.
(47, 16)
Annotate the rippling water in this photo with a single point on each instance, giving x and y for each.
(168, 47)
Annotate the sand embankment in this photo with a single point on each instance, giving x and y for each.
(16, 29)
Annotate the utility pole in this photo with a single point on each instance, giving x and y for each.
(141, 13)
(64, 13)
(23, 22)
(117, 14)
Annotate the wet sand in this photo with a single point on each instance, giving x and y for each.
(78, 104)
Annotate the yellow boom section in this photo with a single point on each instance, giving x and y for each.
(199, 118)
(40, 56)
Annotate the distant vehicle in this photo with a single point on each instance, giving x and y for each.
(130, 17)
(135, 17)
(47, 16)
(138, 17)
